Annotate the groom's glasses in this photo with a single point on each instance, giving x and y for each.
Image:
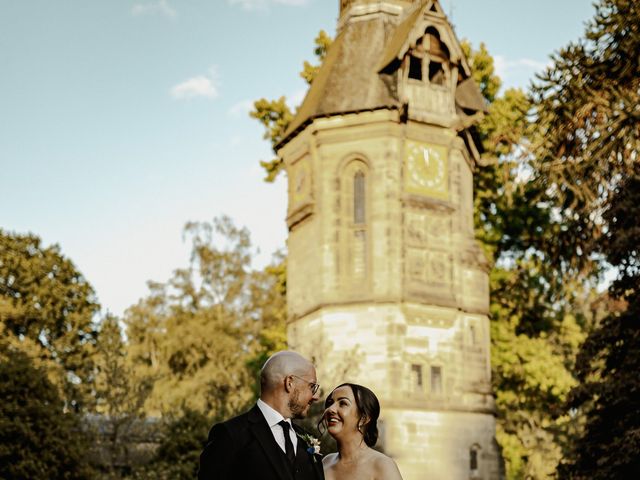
(313, 386)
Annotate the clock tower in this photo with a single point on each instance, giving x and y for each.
(386, 284)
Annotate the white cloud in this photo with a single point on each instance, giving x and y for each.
(198, 86)
(505, 67)
(517, 73)
(263, 4)
(161, 7)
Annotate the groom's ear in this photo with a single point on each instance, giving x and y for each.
(288, 383)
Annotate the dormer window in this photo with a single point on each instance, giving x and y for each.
(436, 73)
(429, 60)
(438, 55)
(415, 67)
(426, 81)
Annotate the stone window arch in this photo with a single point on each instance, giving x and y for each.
(474, 461)
(355, 223)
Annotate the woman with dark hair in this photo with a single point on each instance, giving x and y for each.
(351, 417)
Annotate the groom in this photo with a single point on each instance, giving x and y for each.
(263, 443)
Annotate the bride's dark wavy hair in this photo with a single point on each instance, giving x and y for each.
(368, 409)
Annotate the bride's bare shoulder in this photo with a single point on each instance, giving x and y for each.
(385, 467)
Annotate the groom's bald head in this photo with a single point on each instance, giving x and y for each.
(279, 366)
(288, 384)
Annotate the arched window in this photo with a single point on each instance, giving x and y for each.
(474, 460)
(358, 248)
(355, 229)
(359, 199)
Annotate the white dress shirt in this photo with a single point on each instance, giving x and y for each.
(273, 417)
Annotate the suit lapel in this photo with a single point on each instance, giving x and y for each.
(262, 432)
(305, 456)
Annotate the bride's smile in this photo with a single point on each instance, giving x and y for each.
(350, 416)
(341, 411)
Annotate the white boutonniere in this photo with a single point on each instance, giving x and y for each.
(312, 442)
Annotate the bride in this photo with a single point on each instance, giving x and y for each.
(351, 416)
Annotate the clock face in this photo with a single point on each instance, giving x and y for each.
(426, 167)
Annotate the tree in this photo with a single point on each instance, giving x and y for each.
(177, 457)
(538, 313)
(38, 437)
(588, 143)
(275, 115)
(200, 333)
(47, 307)
(120, 397)
(269, 298)
(587, 112)
(609, 360)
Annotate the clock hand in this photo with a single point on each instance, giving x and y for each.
(425, 154)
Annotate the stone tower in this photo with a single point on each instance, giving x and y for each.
(386, 284)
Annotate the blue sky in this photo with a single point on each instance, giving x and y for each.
(121, 120)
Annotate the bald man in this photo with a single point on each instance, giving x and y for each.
(263, 443)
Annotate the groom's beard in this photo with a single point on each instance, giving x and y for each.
(297, 409)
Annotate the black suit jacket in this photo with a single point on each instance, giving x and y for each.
(244, 448)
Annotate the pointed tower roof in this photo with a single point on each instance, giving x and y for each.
(360, 71)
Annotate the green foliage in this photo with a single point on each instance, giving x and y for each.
(120, 393)
(482, 70)
(323, 41)
(269, 296)
(276, 116)
(588, 124)
(178, 454)
(200, 333)
(38, 438)
(47, 308)
(538, 312)
(609, 360)
(587, 143)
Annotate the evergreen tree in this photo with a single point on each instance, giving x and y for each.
(588, 120)
(587, 143)
(38, 437)
(537, 313)
(178, 455)
(609, 361)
